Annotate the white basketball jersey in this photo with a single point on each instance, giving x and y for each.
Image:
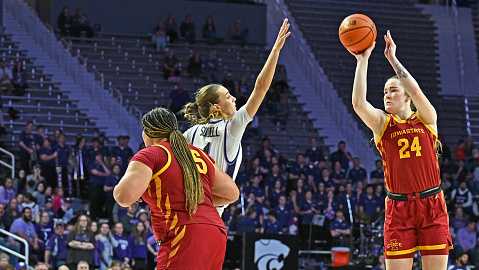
(221, 140)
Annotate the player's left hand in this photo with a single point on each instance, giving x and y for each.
(390, 48)
(282, 35)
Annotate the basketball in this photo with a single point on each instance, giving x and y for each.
(357, 32)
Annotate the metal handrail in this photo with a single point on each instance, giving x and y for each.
(13, 252)
(11, 166)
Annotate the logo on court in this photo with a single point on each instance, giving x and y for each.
(270, 254)
(393, 245)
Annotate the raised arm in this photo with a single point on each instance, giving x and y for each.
(373, 118)
(265, 77)
(425, 110)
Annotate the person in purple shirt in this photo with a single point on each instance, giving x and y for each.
(153, 249)
(275, 193)
(110, 182)
(98, 174)
(466, 238)
(369, 203)
(284, 212)
(271, 224)
(44, 228)
(56, 246)
(47, 159)
(23, 227)
(122, 151)
(6, 191)
(139, 251)
(27, 146)
(340, 230)
(249, 222)
(357, 172)
(63, 154)
(308, 208)
(81, 243)
(121, 245)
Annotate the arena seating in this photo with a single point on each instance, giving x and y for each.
(44, 102)
(131, 65)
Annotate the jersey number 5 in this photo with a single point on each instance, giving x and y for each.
(200, 163)
(405, 151)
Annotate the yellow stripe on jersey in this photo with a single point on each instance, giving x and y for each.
(431, 128)
(168, 161)
(158, 193)
(401, 252)
(378, 137)
(167, 209)
(432, 247)
(174, 222)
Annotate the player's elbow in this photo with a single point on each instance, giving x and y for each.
(121, 197)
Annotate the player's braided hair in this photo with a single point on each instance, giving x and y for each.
(161, 123)
(200, 111)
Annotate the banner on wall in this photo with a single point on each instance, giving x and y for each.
(268, 252)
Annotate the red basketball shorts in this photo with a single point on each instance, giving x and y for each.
(193, 247)
(416, 225)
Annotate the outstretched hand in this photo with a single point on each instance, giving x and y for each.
(282, 35)
(390, 48)
(364, 55)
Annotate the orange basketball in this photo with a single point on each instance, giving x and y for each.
(357, 32)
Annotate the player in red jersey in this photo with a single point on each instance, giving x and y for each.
(182, 186)
(416, 216)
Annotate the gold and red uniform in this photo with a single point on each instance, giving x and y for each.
(408, 151)
(196, 242)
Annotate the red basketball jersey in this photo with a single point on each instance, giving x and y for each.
(166, 194)
(408, 151)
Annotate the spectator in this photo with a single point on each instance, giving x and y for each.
(308, 208)
(249, 223)
(39, 136)
(34, 179)
(340, 230)
(315, 153)
(195, 65)
(83, 265)
(462, 197)
(6, 79)
(466, 239)
(209, 30)
(171, 29)
(48, 157)
(139, 250)
(238, 33)
(104, 246)
(357, 172)
(44, 228)
(56, 246)
(271, 224)
(339, 174)
(461, 262)
(98, 174)
(159, 37)
(28, 152)
(12, 212)
(178, 98)
(129, 219)
(122, 247)
(63, 154)
(377, 176)
(64, 22)
(122, 152)
(369, 204)
(284, 212)
(3, 217)
(19, 80)
(108, 186)
(341, 155)
(81, 243)
(23, 227)
(39, 194)
(187, 29)
(171, 67)
(153, 248)
(39, 266)
(6, 191)
(81, 25)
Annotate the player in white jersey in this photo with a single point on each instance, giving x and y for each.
(218, 126)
